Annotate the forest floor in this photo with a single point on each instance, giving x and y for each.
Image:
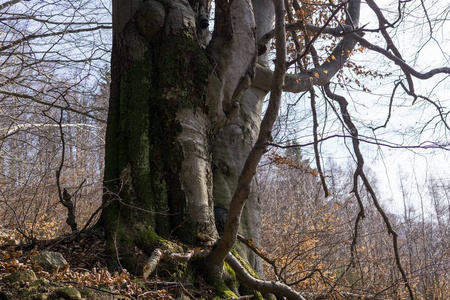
(85, 276)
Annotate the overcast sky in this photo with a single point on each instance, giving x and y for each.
(410, 123)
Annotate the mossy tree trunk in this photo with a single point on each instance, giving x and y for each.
(174, 107)
(184, 119)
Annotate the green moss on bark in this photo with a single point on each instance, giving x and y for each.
(230, 278)
(151, 83)
(184, 71)
(223, 291)
(148, 239)
(245, 264)
(243, 289)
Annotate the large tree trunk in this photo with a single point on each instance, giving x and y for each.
(183, 119)
(170, 100)
(157, 169)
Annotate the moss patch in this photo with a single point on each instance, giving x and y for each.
(223, 291)
(184, 71)
(242, 288)
(245, 264)
(230, 278)
(229, 270)
(148, 239)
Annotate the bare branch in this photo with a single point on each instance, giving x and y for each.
(377, 142)
(361, 174)
(316, 143)
(318, 33)
(398, 61)
(320, 76)
(24, 127)
(50, 104)
(63, 195)
(9, 3)
(44, 35)
(304, 81)
(249, 243)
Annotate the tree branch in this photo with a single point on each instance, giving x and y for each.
(9, 3)
(320, 76)
(23, 127)
(44, 35)
(63, 195)
(423, 145)
(398, 61)
(316, 36)
(50, 104)
(304, 81)
(359, 172)
(316, 143)
(249, 243)
(382, 22)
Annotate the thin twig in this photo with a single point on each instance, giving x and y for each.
(260, 253)
(359, 173)
(316, 143)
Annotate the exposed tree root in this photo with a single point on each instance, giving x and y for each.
(159, 254)
(242, 274)
(262, 286)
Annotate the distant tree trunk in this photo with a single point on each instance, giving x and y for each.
(170, 100)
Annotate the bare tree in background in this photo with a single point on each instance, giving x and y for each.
(52, 57)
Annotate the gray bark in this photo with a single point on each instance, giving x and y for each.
(234, 143)
(230, 151)
(169, 99)
(246, 177)
(184, 120)
(244, 184)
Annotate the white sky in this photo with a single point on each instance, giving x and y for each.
(418, 164)
(407, 120)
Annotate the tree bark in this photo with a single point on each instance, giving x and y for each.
(169, 99)
(157, 163)
(184, 117)
(234, 143)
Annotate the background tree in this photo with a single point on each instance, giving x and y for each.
(307, 236)
(52, 54)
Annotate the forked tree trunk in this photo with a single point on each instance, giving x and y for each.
(183, 119)
(176, 117)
